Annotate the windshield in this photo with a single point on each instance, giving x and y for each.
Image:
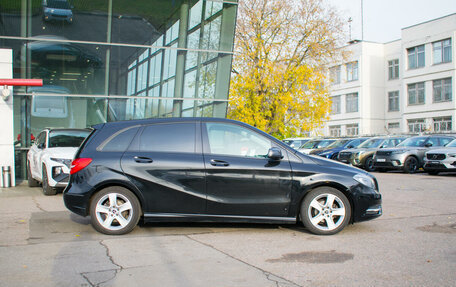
(338, 143)
(67, 138)
(372, 143)
(452, 144)
(416, 141)
(59, 4)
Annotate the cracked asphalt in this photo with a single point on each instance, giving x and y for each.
(412, 244)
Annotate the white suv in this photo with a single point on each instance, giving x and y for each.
(441, 160)
(49, 158)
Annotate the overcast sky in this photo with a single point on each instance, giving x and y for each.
(384, 19)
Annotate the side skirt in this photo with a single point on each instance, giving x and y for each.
(180, 217)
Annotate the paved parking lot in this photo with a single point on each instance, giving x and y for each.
(412, 244)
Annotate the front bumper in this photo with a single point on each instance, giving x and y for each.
(447, 165)
(367, 203)
(395, 161)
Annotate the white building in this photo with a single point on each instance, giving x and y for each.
(404, 86)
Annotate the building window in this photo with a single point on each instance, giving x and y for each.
(416, 125)
(335, 131)
(393, 69)
(416, 93)
(442, 124)
(335, 105)
(352, 71)
(392, 126)
(415, 57)
(352, 130)
(351, 103)
(334, 74)
(441, 51)
(442, 90)
(393, 101)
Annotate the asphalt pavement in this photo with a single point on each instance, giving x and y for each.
(412, 244)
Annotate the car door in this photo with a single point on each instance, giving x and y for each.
(241, 180)
(165, 162)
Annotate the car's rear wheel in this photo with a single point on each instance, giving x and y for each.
(411, 165)
(47, 189)
(115, 211)
(325, 211)
(31, 181)
(369, 164)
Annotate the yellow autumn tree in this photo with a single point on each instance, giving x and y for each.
(282, 49)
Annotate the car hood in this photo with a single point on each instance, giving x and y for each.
(62, 152)
(405, 148)
(355, 150)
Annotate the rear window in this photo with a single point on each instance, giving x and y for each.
(177, 137)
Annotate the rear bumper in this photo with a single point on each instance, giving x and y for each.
(76, 199)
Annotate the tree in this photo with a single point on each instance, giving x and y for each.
(282, 50)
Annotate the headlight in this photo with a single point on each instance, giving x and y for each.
(452, 155)
(364, 180)
(64, 161)
(398, 151)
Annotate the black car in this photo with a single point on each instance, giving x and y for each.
(206, 169)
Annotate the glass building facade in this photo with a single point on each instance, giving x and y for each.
(111, 60)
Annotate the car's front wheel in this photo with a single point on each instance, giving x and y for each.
(47, 189)
(115, 211)
(369, 164)
(411, 165)
(325, 211)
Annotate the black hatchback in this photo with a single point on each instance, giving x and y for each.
(206, 169)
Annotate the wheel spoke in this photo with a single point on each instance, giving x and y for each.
(330, 223)
(317, 219)
(107, 222)
(338, 211)
(122, 221)
(102, 209)
(112, 199)
(317, 205)
(330, 200)
(124, 207)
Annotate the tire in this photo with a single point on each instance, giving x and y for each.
(47, 190)
(108, 217)
(369, 164)
(332, 217)
(411, 165)
(432, 172)
(31, 181)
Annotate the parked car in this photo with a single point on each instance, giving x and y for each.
(408, 155)
(315, 144)
(332, 151)
(57, 10)
(441, 160)
(49, 158)
(207, 169)
(363, 155)
(296, 142)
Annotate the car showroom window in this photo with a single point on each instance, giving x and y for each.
(120, 141)
(234, 140)
(175, 137)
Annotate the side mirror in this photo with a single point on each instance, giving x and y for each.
(275, 154)
(428, 145)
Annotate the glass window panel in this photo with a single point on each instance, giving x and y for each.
(207, 80)
(178, 137)
(195, 14)
(189, 89)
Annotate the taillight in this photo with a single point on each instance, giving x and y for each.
(78, 164)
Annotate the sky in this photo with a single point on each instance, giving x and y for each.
(384, 19)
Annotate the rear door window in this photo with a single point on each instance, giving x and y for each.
(175, 137)
(120, 141)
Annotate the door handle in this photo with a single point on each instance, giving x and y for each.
(141, 159)
(215, 162)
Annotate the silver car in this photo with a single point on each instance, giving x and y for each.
(408, 155)
(441, 160)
